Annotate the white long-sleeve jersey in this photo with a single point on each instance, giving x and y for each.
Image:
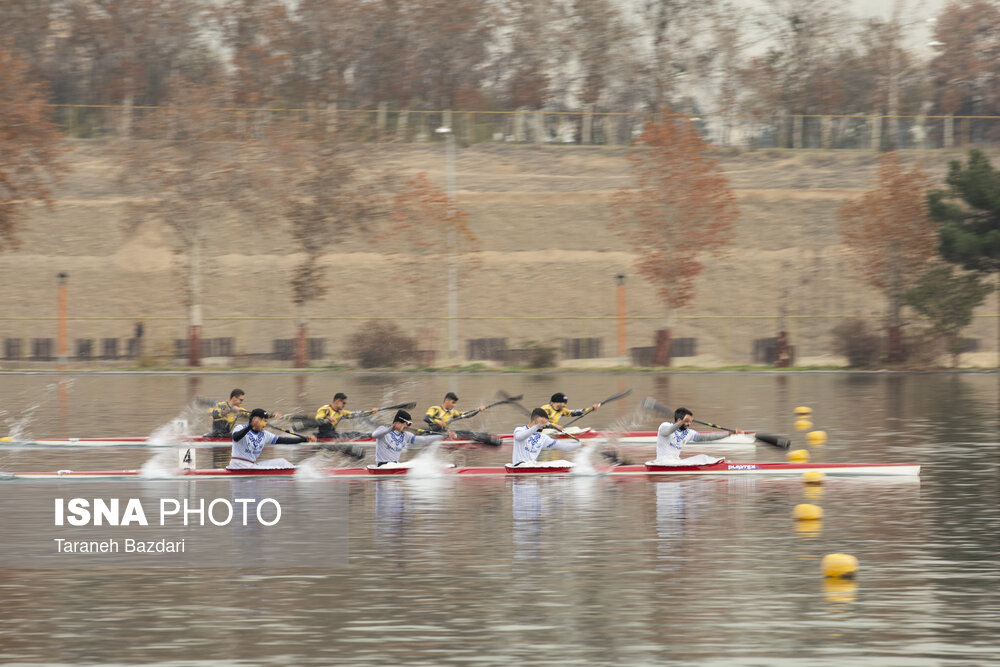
(389, 443)
(671, 438)
(529, 442)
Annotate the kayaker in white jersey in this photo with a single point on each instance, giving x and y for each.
(390, 441)
(250, 440)
(672, 436)
(529, 441)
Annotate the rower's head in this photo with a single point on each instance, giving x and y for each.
(236, 397)
(684, 416)
(401, 420)
(450, 399)
(539, 416)
(258, 419)
(559, 400)
(339, 401)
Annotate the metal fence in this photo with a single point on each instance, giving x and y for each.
(697, 340)
(856, 131)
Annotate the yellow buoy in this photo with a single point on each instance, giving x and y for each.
(798, 455)
(807, 512)
(813, 476)
(839, 566)
(812, 491)
(808, 526)
(816, 437)
(803, 424)
(840, 590)
(803, 410)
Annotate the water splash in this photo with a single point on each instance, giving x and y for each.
(17, 424)
(161, 464)
(427, 463)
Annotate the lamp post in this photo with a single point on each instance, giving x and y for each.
(622, 348)
(62, 340)
(452, 263)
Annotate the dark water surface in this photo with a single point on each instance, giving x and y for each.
(572, 570)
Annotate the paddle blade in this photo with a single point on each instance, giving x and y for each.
(304, 422)
(614, 458)
(621, 394)
(513, 400)
(488, 439)
(401, 406)
(650, 403)
(777, 441)
(352, 451)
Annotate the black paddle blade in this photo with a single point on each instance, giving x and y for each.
(488, 439)
(650, 403)
(513, 400)
(622, 394)
(353, 451)
(777, 441)
(614, 458)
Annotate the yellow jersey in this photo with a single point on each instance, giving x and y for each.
(554, 414)
(224, 417)
(436, 413)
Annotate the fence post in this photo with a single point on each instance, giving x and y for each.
(539, 127)
(380, 118)
(797, 131)
(401, 125)
(876, 125)
(949, 131)
(519, 126)
(588, 125)
(610, 131)
(824, 131)
(331, 118)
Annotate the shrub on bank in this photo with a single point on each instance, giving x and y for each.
(381, 345)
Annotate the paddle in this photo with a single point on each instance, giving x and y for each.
(615, 397)
(473, 413)
(650, 403)
(513, 400)
(610, 455)
(302, 421)
(478, 437)
(355, 453)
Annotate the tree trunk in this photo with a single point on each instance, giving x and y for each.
(301, 358)
(894, 331)
(661, 353)
(194, 296)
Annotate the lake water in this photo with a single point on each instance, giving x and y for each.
(569, 570)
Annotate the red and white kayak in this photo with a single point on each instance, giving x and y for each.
(625, 438)
(647, 469)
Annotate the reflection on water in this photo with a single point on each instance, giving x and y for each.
(586, 569)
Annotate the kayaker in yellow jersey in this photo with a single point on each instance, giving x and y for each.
(330, 415)
(556, 408)
(225, 413)
(438, 416)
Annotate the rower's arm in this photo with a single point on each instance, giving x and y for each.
(290, 439)
(380, 431)
(709, 437)
(426, 439)
(666, 428)
(239, 433)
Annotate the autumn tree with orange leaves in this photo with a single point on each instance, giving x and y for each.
(428, 225)
(29, 146)
(681, 205)
(891, 238)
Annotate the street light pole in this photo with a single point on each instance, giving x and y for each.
(452, 260)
